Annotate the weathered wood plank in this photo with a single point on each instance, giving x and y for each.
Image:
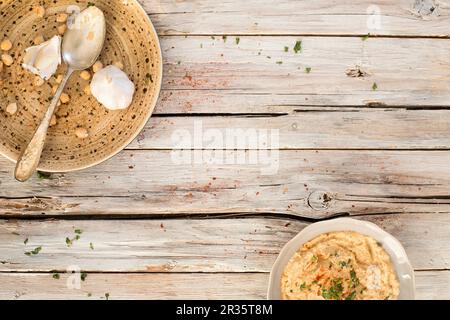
(308, 183)
(232, 102)
(320, 128)
(198, 245)
(401, 17)
(415, 70)
(221, 286)
(164, 286)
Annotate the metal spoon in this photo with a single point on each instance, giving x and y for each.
(82, 44)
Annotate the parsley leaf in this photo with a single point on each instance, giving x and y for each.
(298, 46)
(34, 252)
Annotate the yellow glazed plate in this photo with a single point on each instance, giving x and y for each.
(131, 40)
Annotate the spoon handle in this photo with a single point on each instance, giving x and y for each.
(29, 159)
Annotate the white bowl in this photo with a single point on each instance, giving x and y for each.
(405, 272)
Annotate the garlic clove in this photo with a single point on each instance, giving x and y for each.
(44, 59)
(112, 88)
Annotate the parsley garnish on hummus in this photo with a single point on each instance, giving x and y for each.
(334, 292)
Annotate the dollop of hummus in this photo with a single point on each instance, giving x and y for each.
(340, 266)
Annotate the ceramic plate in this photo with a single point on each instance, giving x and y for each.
(405, 272)
(131, 40)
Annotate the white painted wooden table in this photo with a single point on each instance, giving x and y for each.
(165, 230)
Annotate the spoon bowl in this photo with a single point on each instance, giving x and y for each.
(84, 39)
(82, 45)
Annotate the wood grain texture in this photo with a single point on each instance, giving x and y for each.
(222, 286)
(316, 128)
(184, 250)
(308, 183)
(399, 18)
(191, 102)
(411, 72)
(198, 245)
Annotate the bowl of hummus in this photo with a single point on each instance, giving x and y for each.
(342, 259)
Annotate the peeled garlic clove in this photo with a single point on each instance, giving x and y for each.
(43, 59)
(112, 88)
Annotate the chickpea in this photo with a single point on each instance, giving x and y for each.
(7, 59)
(97, 66)
(87, 90)
(39, 11)
(85, 75)
(65, 98)
(11, 108)
(53, 121)
(81, 133)
(6, 45)
(62, 17)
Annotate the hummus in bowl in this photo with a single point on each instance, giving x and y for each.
(342, 259)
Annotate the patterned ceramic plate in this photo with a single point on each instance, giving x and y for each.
(131, 40)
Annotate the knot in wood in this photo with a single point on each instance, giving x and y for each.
(319, 200)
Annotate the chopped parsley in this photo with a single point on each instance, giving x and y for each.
(303, 286)
(298, 46)
(374, 86)
(43, 175)
(90, 4)
(238, 40)
(286, 49)
(354, 281)
(91, 246)
(83, 276)
(364, 38)
(334, 292)
(344, 264)
(224, 38)
(308, 69)
(69, 241)
(351, 296)
(107, 296)
(279, 62)
(25, 241)
(34, 251)
(56, 276)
